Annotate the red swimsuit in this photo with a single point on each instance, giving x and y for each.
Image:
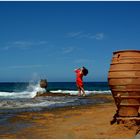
(79, 78)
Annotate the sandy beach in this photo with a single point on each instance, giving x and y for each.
(79, 122)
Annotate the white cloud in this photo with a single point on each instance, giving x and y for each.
(97, 36)
(74, 34)
(23, 66)
(24, 44)
(67, 50)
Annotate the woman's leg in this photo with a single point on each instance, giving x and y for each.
(83, 91)
(79, 91)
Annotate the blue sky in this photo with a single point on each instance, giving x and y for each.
(51, 39)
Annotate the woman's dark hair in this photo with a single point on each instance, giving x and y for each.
(85, 71)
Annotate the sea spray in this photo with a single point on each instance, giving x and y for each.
(30, 92)
(34, 89)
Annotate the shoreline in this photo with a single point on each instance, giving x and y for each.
(77, 122)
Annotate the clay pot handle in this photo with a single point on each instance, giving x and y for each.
(118, 57)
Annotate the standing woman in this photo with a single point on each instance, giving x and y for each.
(80, 72)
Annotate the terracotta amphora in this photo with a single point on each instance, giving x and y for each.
(124, 81)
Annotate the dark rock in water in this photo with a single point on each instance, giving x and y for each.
(52, 94)
(43, 83)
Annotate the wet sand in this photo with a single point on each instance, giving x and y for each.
(80, 122)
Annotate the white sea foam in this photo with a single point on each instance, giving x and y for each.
(36, 103)
(74, 92)
(30, 92)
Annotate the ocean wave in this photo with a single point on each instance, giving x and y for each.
(27, 94)
(47, 102)
(74, 92)
(24, 100)
(32, 103)
(32, 90)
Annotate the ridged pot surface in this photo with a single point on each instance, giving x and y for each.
(124, 81)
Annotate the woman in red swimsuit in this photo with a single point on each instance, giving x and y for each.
(79, 79)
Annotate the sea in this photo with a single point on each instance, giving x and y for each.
(18, 97)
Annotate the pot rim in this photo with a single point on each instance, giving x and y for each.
(119, 51)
